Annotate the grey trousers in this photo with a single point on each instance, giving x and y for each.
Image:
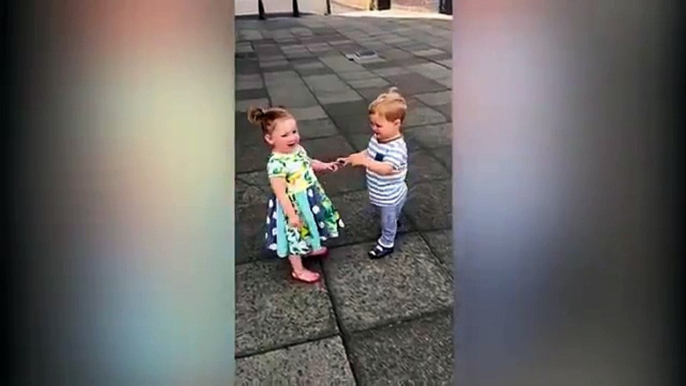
(388, 216)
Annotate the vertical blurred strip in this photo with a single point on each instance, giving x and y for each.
(122, 192)
(567, 196)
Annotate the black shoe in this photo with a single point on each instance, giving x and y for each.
(379, 252)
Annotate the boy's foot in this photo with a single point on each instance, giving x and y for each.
(305, 276)
(379, 252)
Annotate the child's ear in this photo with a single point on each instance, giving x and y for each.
(268, 139)
(397, 122)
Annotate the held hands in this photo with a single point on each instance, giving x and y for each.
(320, 166)
(356, 159)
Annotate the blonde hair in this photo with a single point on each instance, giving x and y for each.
(266, 118)
(391, 105)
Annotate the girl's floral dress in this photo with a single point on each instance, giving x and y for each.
(320, 220)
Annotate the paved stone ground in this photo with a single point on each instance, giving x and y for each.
(369, 322)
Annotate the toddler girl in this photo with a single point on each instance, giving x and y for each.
(300, 215)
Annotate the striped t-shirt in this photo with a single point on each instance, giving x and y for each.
(387, 190)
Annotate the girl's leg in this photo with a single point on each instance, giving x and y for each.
(300, 272)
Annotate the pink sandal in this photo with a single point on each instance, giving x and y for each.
(319, 252)
(297, 277)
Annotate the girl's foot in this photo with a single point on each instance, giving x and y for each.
(379, 252)
(319, 252)
(305, 276)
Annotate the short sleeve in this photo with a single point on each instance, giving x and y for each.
(303, 153)
(397, 157)
(276, 168)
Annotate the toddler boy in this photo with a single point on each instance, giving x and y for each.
(385, 161)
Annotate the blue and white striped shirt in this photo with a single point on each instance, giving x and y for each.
(387, 190)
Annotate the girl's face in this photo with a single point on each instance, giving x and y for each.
(284, 138)
(382, 128)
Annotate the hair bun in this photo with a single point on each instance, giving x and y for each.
(255, 115)
(393, 90)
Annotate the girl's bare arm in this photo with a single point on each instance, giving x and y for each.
(279, 187)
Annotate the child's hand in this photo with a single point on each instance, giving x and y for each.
(294, 222)
(357, 159)
(342, 161)
(332, 166)
(319, 166)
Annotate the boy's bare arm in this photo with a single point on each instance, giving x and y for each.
(346, 160)
(382, 168)
(378, 167)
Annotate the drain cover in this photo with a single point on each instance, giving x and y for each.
(366, 54)
(363, 56)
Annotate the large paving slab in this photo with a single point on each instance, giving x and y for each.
(424, 167)
(249, 81)
(371, 93)
(250, 94)
(419, 352)
(446, 110)
(323, 362)
(435, 98)
(331, 89)
(369, 293)
(391, 71)
(429, 205)
(357, 75)
(432, 71)
(242, 106)
(445, 155)
(246, 134)
(316, 128)
(361, 219)
(422, 116)
(441, 243)
(287, 89)
(273, 311)
(252, 157)
(250, 220)
(432, 135)
(247, 67)
(308, 113)
(411, 84)
(340, 63)
(252, 189)
(350, 117)
(373, 83)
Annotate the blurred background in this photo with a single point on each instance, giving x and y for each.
(120, 194)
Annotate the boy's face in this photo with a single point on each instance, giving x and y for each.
(384, 129)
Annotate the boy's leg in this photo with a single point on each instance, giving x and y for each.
(389, 228)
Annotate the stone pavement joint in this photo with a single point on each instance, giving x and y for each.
(367, 322)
